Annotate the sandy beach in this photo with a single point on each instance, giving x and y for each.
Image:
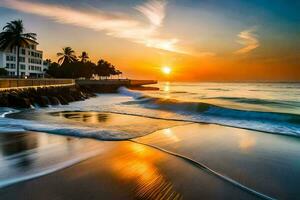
(125, 170)
(128, 170)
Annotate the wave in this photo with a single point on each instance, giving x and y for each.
(48, 170)
(257, 101)
(273, 122)
(179, 92)
(12, 125)
(147, 106)
(218, 89)
(209, 170)
(53, 125)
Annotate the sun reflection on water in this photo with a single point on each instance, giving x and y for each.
(247, 142)
(166, 89)
(142, 170)
(169, 133)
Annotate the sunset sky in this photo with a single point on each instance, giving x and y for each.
(199, 40)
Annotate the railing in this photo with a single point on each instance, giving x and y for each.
(19, 83)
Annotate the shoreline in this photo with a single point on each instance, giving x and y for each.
(125, 170)
(201, 143)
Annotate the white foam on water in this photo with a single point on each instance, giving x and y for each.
(49, 169)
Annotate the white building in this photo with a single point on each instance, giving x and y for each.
(31, 61)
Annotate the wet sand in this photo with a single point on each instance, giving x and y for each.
(267, 163)
(121, 170)
(143, 168)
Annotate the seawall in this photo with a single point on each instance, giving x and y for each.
(25, 93)
(6, 83)
(43, 96)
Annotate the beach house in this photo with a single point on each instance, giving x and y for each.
(31, 61)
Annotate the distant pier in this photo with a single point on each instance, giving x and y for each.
(111, 85)
(117, 82)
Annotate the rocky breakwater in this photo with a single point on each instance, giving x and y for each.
(43, 96)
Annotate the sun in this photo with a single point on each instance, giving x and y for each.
(166, 70)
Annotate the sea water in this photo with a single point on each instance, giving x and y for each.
(263, 107)
(267, 107)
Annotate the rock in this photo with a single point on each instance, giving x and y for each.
(54, 100)
(41, 101)
(62, 100)
(15, 101)
(24, 98)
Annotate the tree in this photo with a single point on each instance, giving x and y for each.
(66, 56)
(118, 73)
(48, 61)
(103, 68)
(79, 69)
(13, 36)
(3, 72)
(84, 57)
(54, 70)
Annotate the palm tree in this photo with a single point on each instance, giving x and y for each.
(84, 56)
(118, 72)
(13, 36)
(67, 56)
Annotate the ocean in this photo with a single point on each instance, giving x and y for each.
(266, 107)
(247, 132)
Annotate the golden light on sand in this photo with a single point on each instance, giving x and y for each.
(166, 70)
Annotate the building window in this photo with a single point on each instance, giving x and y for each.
(23, 52)
(22, 59)
(7, 65)
(22, 66)
(10, 58)
(12, 66)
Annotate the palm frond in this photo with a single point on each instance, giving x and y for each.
(61, 60)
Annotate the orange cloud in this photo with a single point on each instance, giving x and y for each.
(249, 39)
(113, 24)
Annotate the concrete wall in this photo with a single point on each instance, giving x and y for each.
(121, 82)
(116, 82)
(142, 82)
(13, 83)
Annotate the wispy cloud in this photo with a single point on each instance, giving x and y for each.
(112, 23)
(154, 11)
(249, 39)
